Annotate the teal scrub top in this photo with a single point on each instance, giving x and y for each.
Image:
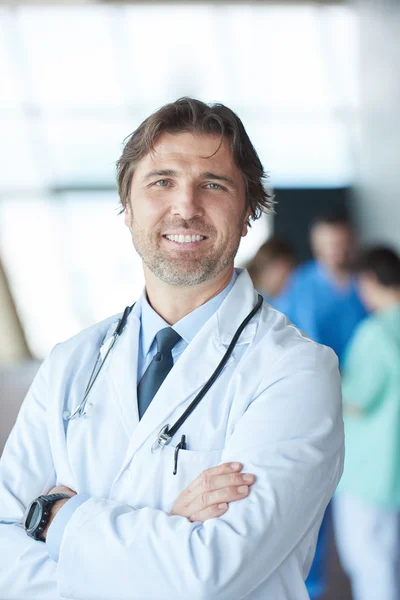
(371, 382)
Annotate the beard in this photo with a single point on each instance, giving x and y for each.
(195, 267)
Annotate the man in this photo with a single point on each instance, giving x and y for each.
(322, 299)
(231, 507)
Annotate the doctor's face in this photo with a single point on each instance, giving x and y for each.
(186, 210)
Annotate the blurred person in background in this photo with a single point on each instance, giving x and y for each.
(367, 506)
(323, 299)
(271, 268)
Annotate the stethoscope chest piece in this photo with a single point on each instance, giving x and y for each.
(163, 439)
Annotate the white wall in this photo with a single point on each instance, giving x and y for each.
(378, 155)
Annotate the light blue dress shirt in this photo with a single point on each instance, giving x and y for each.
(150, 325)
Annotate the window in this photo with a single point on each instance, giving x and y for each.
(77, 80)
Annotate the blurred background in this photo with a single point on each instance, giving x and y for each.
(315, 83)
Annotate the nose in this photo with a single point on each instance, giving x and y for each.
(187, 202)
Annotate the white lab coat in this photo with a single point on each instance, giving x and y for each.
(276, 409)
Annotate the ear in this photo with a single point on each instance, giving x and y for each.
(245, 227)
(128, 215)
(370, 278)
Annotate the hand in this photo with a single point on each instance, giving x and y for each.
(60, 489)
(209, 494)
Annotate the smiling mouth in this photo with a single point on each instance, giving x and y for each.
(185, 239)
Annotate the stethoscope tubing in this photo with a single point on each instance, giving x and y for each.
(170, 432)
(80, 410)
(167, 433)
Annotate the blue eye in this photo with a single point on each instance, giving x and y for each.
(162, 183)
(214, 186)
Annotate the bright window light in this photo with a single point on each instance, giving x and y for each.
(75, 264)
(76, 80)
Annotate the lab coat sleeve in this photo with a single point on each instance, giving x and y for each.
(290, 437)
(26, 471)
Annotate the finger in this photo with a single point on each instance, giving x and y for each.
(211, 512)
(208, 499)
(218, 482)
(201, 483)
(222, 469)
(190, 499)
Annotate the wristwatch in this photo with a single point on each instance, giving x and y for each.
(38, 513)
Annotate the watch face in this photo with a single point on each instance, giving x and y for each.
(34, 515)
(37, 515)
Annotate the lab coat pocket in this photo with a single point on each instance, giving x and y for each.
(188, 465)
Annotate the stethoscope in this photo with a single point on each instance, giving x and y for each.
(166, 433)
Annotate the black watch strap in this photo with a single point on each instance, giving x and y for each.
(45, 502)
(51, 498)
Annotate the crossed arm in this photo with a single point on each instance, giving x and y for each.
(207, 497)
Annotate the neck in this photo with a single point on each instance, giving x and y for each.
(340, 275)
(173, 303)
(388, 299)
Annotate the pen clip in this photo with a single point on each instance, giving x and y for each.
(180, 446)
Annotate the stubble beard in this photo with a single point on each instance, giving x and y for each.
(184, 270)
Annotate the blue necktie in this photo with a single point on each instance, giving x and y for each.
(158, 369)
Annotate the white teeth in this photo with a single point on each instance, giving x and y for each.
(184, 239)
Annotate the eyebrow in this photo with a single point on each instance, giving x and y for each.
(161, 173)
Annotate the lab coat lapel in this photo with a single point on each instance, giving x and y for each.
(123, 372)
(198, 362)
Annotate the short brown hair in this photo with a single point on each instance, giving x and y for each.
(273, 249)
(188, 114)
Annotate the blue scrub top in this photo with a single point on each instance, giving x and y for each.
(277, 301)
(325, 311)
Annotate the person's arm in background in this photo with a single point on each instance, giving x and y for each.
(364, 371)
(297, 456)
(26, 471)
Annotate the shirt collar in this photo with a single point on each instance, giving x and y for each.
(188, 327)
